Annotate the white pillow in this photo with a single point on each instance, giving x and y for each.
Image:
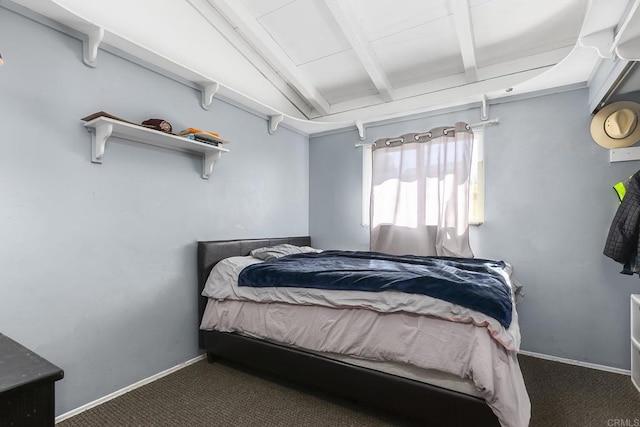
(278, 251)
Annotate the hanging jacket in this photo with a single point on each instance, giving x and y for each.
(622, 241)
(621, 188)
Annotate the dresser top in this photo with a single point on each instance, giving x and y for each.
(20, 366)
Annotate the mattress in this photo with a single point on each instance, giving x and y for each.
(389, 342)
(222, 284)
(404, 370)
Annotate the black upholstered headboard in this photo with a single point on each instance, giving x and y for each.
(210, 253)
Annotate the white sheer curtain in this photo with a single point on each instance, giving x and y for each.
(420, 193)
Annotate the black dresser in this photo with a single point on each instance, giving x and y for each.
(26, 386)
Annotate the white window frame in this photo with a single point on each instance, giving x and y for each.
(476, 184)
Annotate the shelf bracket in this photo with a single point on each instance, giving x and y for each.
(601, 41)
(90, 47)
(360, 126)
(99, 138)
(274, 121)
(484, 109)
(629, 50)
(208, 161)
(208, 92)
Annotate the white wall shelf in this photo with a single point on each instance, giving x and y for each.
(102, 128)
(635, 340)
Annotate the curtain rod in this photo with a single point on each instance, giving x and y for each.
(472, 125)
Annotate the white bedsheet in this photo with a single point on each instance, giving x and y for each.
(427, 342)
(222, 284)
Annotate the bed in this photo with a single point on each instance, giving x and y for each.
(382, 385)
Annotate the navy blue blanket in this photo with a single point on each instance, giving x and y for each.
(467, 282)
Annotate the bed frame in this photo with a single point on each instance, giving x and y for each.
(414, 400)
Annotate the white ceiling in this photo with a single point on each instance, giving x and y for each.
(340, 61)
(359, 54)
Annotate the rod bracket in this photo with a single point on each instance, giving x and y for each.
(360, 125)
(484, 109)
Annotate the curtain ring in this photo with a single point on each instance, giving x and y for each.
(420, 135)
(467, 127)
(445, 131)
(389, 141)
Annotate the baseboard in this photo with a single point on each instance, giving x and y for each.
(576, 362)
(166, 372)
(127, 389)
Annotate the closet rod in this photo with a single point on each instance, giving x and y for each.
(472, 125)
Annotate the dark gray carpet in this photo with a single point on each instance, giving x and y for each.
(220, 395)
(567, 395)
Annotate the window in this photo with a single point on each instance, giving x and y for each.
(476, 184)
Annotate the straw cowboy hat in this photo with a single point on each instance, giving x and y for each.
(616, 125)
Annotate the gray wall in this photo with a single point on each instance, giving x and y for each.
(548, 206)
(97, 262)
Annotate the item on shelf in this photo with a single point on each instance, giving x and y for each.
(193, 137)
(107, 115)
(195, 130)
(158, 124)
(202, 136)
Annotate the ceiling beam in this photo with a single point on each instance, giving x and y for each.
(433, 87)
(223, 27)
(450, 96)
(464, 28)
(240, 18)
(348, 23)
